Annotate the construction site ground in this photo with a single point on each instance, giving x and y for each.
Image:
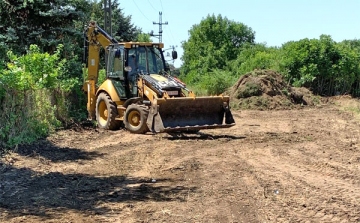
(296, 165)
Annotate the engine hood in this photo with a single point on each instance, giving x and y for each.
(164, 82)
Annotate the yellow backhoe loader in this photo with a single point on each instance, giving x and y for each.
(140, 93)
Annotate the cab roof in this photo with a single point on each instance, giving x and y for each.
(137, 44)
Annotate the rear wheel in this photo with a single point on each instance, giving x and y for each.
(192, 131)
(135, 118)
(106, 112)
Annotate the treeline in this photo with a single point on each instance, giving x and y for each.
(219, 51)
(41, 49)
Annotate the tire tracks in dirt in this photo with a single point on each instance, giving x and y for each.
(273, 166)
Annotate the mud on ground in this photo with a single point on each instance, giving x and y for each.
(299, 165)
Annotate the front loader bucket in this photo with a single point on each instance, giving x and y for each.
(189, 114)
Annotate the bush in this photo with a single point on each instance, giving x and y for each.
(32, 96)
(217, 82)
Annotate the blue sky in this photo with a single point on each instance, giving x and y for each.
(274, 21)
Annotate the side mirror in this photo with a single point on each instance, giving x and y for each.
(174, 54)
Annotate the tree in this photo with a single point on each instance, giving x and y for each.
(46, 23)
(212, 43)
(143, 37)
(42, 22)
(32, 93)
(123, 29)
(324, 66)
(254, 56)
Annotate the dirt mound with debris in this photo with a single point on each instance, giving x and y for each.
(267, 89)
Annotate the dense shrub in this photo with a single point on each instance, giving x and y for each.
(33, 96)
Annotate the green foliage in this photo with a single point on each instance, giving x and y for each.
(47, 25)
(197, 89)
(213, 83)
(102, 77)
(38, 22)
(32, 71)
(143, 37)
(322, 65)
(122, 28)
(255, 56)
(33, 96)
(26, 116)
(212, 43)
(39, 91)
(217, 44)
(217, 82)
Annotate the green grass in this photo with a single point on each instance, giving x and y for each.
(197, 90)
(351, 106)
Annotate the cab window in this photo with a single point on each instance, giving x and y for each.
(116, 63)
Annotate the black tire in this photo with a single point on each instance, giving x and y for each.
(106, 112)
(135, 118)
(192, 131)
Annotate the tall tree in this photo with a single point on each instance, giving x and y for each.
(212, 43)
(143, 37)
(123, 29)
(42, 22)
(322, 65)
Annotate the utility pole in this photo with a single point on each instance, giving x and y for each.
(107, 23)
(107, 17)
(160, 27)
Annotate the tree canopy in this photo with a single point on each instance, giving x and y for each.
(325, 66)
(212, 43)
(48, 23)
(40, 82)
(122, 27)
(46, 78)
(45, 23)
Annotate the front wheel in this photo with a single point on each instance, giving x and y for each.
(135, 119)
(106, 112)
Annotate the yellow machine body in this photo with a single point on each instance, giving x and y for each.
(140, 93)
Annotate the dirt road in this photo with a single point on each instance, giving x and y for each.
(273, 166)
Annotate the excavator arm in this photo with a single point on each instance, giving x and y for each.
(141, 94)
(96, 38)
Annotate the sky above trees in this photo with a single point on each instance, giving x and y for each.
(274, 22)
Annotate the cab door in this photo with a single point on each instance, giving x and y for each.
(115, 68)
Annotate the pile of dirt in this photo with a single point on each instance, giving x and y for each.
(267, 89)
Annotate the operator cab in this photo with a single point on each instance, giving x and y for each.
(127, 61)
(145, 60)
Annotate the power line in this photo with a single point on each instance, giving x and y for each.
(160, 23)
(161, 6)
(141, 11)
(152, 6)
(172, 37)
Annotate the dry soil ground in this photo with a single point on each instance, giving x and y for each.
(300, 165)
